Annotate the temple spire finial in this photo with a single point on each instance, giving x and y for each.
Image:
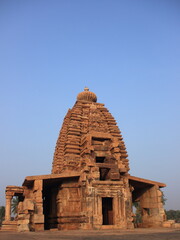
(86, 95)
(86, 89)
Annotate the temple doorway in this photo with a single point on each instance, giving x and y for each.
(50, 208)
(107, 211)
(50, 191)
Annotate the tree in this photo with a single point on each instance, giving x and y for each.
(2, 214)
(14, 205)
(173, 215)
(163, 199)
(138, 214)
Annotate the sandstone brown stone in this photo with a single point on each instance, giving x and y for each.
(89, 187)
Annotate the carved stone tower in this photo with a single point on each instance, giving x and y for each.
(90, 143)
(90, 136)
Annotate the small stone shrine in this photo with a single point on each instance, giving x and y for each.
(89, 186)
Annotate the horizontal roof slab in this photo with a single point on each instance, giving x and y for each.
(141, 181)
(29, 179)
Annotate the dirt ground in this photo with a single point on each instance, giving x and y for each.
(135, 234)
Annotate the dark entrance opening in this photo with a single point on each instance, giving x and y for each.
(100, 159)
(107, 211)
(50, 191)
(50, 208)
(104, 174)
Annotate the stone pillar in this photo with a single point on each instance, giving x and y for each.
(153, 213)
(8, 208)
(38, 198)
(117, 209)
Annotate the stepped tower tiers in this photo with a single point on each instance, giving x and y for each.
(90, 137)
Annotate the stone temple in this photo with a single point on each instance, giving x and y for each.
(89, 186)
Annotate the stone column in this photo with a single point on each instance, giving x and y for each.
(8, 208)
(151, 204)
(38, 198)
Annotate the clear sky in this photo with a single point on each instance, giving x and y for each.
(126, 51)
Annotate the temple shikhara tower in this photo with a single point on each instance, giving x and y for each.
(89, 186)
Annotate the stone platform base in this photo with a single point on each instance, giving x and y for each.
(9, 226)
(171, 224)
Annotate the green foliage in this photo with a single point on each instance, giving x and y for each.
(138, 214)
(173, 215)
(14, 205)
(163, 198)
(2, 214)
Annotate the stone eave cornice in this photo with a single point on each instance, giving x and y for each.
(146, 181)
(30, 179)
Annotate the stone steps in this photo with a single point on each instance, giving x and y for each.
(9, 226)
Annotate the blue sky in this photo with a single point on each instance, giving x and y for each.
(126, 51)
